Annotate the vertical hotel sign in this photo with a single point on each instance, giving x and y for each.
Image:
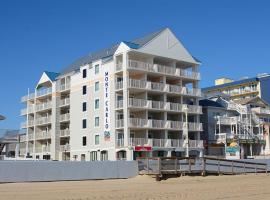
(107, 134)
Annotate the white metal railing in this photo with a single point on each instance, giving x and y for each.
(137, 122)
(136, 83)
(30, 122)
(43, 120)
(119, 123)
(260, 110)
(28, 97)
(65, 86)
(194, 109)
(195, 143)
(193, 126)
(175, 125)
(119, 66)
(43, 106)
(157, 86)
(30, 136)
(65, 117)
(22, 138)
(43, 135)
(175, 106)
(175, 89)
(139, 65)
(119, 142)
(157, 104)
(227, 120)
(64, 133)
(119, 104)
(154, 123)
(23, 125)
(64, 102)
(119, 85)
(65, 147)
(44, 91)
(139, 103)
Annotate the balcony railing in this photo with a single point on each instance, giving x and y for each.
(44, 91)
(64, 102)
(193, 126)
(64, 87)
(163, 143)
(64, 117)
(64, 133)
(43, 120)
(23, 125)
(119, 104)
(119, 85)
(119, 66)
(119, 142)
(138, 65)
(227, 120)
(30, 122)
(28, 97)
(43, 135)
(22, 138)
(259, 110)
(43, 106)
(65, 148)
(30, 136)
(119, 123)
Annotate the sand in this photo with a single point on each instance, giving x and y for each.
(144, 187)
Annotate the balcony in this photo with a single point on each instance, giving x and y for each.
(163, 143)
(227, 120)
(119, 85)
(22, 138)
(193, 126)
(64, 102)
(64, 117)
(23, 125)
(30, 123)
(119, 123)
(65, 148)
(43, 135)
(161, 87)
(161, 69)
(42, 149)
(28, 97)
(65, 133)
(264, 111)
(43, 106)
(64, 87)
(43, 120)
(119, 67)
(119, 104)
(43, 92)
(30, 136)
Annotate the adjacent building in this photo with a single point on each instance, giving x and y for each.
(136, 98)
(241, 89)
(236, 128)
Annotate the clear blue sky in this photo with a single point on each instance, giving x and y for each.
(231, 38)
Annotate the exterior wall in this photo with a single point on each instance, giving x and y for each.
(265, 89)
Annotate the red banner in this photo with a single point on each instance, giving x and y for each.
(143, 148)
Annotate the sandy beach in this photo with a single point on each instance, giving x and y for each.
(246, 187)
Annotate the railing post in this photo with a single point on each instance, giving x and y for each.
(189, 165)
(232, 167)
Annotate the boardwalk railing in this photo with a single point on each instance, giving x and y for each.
(203, 166)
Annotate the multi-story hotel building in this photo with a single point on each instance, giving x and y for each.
(137, 98)
(245, 88)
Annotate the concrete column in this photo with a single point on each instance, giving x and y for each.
(125, 99)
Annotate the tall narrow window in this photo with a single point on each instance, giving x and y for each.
(96, 139)
(97, 86)
(96, 103)
(84, 73)
(84, 90)
(96, 69)
(84, 106)
(84, 123)
(84, 140)
(96, 121)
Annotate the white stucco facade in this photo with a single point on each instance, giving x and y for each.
(140, 100)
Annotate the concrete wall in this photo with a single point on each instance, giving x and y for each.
(26, 171)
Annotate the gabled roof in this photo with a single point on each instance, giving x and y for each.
(51, 75)
(107, 52)
(253, 100)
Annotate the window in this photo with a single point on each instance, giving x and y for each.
(96, 139)
(96, 103)
(84, 73)
(96, 69)
(84, 123)
(96, 121)
(97, 86)
(84, 90)
(84, 106)
(93, 155)
(84, 140)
